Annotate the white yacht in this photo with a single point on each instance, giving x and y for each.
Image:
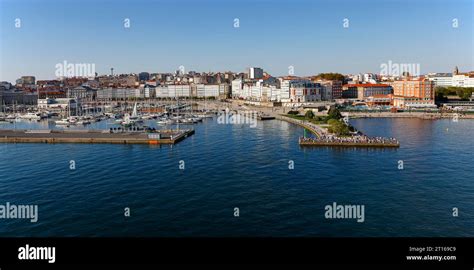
(62, 122)
(31, 116)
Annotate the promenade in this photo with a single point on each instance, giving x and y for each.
(315, 129)
(421, 115)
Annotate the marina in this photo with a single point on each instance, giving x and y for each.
(138, 126)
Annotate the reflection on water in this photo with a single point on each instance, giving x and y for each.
(229, 166)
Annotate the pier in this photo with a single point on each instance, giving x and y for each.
(324, 139)
(384, 143)
(93, 136)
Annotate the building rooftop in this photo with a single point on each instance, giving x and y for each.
(367, 85)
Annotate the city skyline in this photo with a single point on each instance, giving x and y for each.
(165, 36)
(177, 73)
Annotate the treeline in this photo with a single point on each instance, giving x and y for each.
(462, 92)
(329, 76)
(333, 119)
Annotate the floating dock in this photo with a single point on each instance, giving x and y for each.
(93, 136)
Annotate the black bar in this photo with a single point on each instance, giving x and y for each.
(242, 250)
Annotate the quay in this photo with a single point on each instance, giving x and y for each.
(420, 115)
(316, 142)
(94, 136)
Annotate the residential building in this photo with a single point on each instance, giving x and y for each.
(14, 96)
(120, 93)
(207, 90)
(83, 93)
(236, 88)
(363, 91)
(304, 91)
(441, 79)
(331, 89)
(413, 93)
(463, 80)
(255, 73)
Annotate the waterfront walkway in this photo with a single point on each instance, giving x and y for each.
(315, 129)
(421, 115)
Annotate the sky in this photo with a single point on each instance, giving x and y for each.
(200, 35)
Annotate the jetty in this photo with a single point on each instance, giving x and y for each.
(349, 142)
(322, 138)
(94, 136)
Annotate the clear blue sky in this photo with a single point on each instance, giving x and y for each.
(200, 35)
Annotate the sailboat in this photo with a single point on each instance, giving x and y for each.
(131, 120)
(135, 118)
(69, 120)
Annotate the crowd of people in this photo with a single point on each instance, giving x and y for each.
(363, 139)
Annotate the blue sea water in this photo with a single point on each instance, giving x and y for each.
(228, 166)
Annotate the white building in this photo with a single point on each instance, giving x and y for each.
(161, 91)
(255, 73)
(463, 80)
(120, 93)
(284, 90)
(57, 103)
(448, 79)
(370, 78)
(442, 79)
(237, 86)
(207, 90)
(179, 90)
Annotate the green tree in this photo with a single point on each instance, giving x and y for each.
(462, 92)
(341, 129)
(309, 114)
(338, 127)
(330, 76)
(334, 113)
(332, 122)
